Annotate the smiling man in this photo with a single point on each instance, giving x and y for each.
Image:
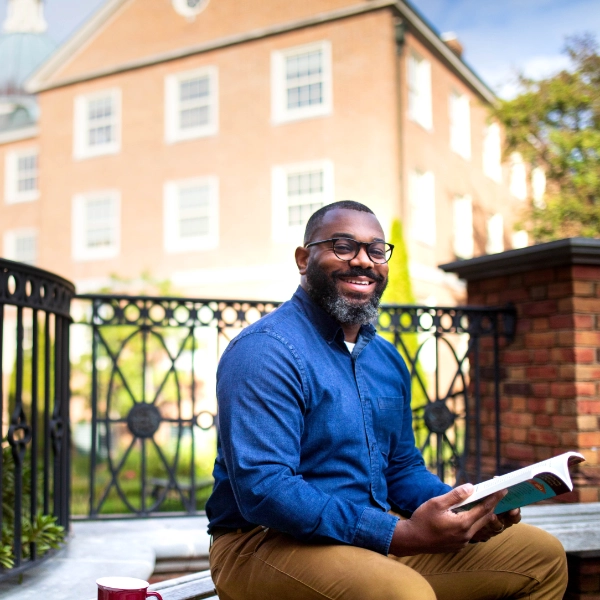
(317, 461)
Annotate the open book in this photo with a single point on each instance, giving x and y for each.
(531, 484)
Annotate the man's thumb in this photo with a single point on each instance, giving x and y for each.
(457, 495)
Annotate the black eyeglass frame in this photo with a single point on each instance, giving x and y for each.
(367, 246)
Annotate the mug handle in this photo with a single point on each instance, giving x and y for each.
(155, 594)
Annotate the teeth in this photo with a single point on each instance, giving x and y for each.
(358, 282)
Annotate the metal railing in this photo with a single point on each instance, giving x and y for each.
(145, 441)
(34, 410)
(442, 347)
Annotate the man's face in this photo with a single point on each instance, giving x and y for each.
(348, 290)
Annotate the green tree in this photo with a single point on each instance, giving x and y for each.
(555, 124)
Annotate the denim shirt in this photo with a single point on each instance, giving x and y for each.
(315, 441)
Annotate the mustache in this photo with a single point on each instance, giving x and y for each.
(358, 272)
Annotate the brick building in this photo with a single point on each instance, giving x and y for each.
(190, 140)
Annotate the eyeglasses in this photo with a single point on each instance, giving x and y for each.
(348, 249)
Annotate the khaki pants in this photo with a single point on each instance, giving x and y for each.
(522, 562)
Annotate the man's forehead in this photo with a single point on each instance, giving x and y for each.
(355, 222)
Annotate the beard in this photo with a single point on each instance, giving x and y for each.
(349, 309)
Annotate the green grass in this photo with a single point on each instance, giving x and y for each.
(129, 480)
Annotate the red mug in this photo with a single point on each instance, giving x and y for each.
(124, 588)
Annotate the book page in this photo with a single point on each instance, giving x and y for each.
(542, 480)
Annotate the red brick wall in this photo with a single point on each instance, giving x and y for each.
(584, 578)
(550, 395)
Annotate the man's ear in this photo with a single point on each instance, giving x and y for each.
(302, 259)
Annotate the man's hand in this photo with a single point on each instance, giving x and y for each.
(433, 528)
(497, 525)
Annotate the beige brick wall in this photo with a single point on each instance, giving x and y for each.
(454, 175)
(22, 215)
(368, 137)
(143, 28)
(359, 137)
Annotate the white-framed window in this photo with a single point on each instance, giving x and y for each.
(21, 176)
(301, 85)
(538, 187)
(299, 190)
(495, 234)
(520, 239)
(518, 176)
(21, 245)
(422, 207)
(492, 152)
(462, 208)
(189, 8)
(96, 225)
(419, 90)
(191, 214)
(191, 104)
(97, 126)
(460, 124)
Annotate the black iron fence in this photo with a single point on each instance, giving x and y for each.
(442, 347)
(146, 441)
(144, 411)
(34, 413)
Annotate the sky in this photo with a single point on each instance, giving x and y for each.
(501, 38)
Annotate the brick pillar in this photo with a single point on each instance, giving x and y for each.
(550, 391)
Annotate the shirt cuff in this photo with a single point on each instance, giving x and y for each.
(375, 530)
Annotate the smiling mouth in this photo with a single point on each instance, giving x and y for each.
(357, 282)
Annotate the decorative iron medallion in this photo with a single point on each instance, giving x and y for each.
(143, 420)
(438, 417)
(189, 8)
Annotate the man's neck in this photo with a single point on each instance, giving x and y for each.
(350, 332)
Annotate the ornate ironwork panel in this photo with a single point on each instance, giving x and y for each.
(144, 381)
(153, 412)
(442, 349)
(34, 409)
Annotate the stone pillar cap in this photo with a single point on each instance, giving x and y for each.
(560, 253)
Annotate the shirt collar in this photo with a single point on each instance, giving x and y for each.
(325, 324)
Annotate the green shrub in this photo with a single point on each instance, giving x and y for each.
(43, 531)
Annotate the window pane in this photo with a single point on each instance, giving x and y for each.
(463, 227)
(305, 195)
(299, 214)
(27, 173)
(492, 153)
(495, 234)
(304, 76)
(419, 90)
(194, 212)
(193, 89)
(99, 223)
(422, 201)
(100, 108)
(194, 117)
(101, 121)
(26, 249)
(194, 227)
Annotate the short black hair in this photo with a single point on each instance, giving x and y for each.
(317, 217)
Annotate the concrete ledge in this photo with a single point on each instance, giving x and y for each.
(127, 548)
(131, 547)
(198, 586)
(577, 526)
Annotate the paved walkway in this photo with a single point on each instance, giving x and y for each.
(102, 548)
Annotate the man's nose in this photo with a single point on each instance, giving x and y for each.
(362, 258)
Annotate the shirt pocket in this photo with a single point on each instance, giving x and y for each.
(388, 422)
(390, 402)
